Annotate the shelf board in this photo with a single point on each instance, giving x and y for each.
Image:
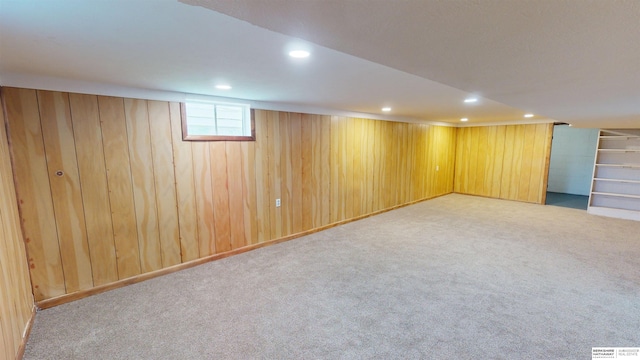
(616, 195)
(626, 166)
(620, 150)
(618, 137)
(618, 180)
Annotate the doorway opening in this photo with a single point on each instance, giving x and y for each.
(573, 153)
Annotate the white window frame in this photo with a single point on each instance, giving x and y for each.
(248, 124)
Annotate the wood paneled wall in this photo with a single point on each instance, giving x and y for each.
(108, 190)
(16, 300)
(505, 162)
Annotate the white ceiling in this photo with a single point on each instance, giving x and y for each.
(576, 61)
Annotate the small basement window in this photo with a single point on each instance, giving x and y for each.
(216, 121)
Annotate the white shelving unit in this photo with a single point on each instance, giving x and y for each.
(615, 189)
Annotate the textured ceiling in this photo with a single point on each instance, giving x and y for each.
(573, 61)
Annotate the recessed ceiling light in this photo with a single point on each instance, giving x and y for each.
(299, 54)
(223, 87)
(471, 100)
(386, 109)
(464, 119)
(528, 115)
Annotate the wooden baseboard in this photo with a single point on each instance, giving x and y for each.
(63, 299)
(26, 334)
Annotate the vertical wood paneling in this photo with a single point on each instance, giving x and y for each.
(275, 175)
(540, 164)
(411, 153)
(249, 209)
(204, 205)
(296, 172)
(219, 182)
(378, 165)
(16, 299)
(497, 161)
(464, 149)
(473, 160)
(425, 143)
(119, 181)
(510, 161)
(263, 192)
(458, 171)
(335, 169)
(490, 153)
(446, 160)
(411, 159)
(387, 135)
(35, 201)
(144, 188)
(449, 175)
(347, 158)
(507, 162)
(185, 188)
(164, 179)
(235, 194)
(439, 167)
(429, 163)
(343, 183)
(97, 209)
(483, 153)
(441, 148)
(527, 159)
(466, 187)
(59, 144)
(434, 154)
(309, 181)
(366, 155)
(402, 164)
(316, 174)
(417, 182)
(517, 150)
(393, 177)
(357, 176)
(286, 173)
(323, 130)
(155, 200)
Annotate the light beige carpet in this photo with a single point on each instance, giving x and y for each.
(457, 277)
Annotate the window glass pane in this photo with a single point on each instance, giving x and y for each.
(200, 110)
(229, 123)
(215, 119)
(230, 131)
(201, 130)
(229, 112)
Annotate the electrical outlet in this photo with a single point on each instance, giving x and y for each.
(437, 167)
(277, 202)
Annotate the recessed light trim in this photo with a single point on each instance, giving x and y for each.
(386, 109)
(299, 54)
(470, 100)
(223, 87)
(464, 119)
(528, 115)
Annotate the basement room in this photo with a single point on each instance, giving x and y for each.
(348, 179)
